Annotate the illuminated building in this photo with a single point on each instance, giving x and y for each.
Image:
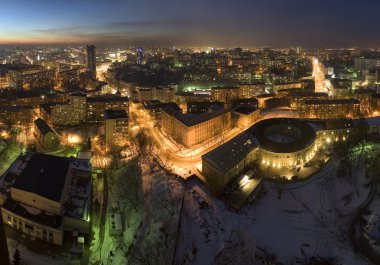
(163, 94)
(46, 137)
(190, 130)
(29, 76)
(68, 77)
(249, 102)
(96, 106)
(91, 60)
(250, 90)
(261, 99)
(330, 109)
(68, 113)
(296, 85)
(3, 79)
(154, 108)
(364, 97)
(116, 126)
(341, 88)
(196, 96)
(144, 94)
(16, 114)
(227, 161)
(271, 143)
(202, 107)
(35, 101)
(361, 63)
(225, 94)
(375, 104)
(45, 196)
(139, 56)
(272, 103)
(245, 116)
(298, 98)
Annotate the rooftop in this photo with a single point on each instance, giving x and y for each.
(245, 110)
(332, 101)
(44, 175)
(42, 126)
(115, 114)
(226, 156)
(306, 135)
(191, 120)
(107, 99)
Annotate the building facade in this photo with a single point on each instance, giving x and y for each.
(116, 126)
(330, 109)
(192, 130)
(46, 196)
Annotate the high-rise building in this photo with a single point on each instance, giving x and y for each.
(116, 126)
(91, 60)
(139, 56)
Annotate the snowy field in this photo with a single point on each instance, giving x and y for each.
(291, 223)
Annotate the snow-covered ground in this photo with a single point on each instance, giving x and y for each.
(30, 257)
(294, 222)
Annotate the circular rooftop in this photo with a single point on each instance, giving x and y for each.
(282, 135)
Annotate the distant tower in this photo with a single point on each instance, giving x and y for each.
(139, 56)
(176, 58)
(298, 50)
(4, 254)
(91, 60)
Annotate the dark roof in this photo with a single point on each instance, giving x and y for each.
(191, 120)
(364, 91)
(209, 105)
(226, 156)
(42, 126)
(265, 96)
(15, 108)
(47, 106)
(107, 99)
(306, 138)
(78, 94)
(225, 87)
(244, 101)
(44, 175)
(245, 110)
(306, 93)
(156, 104)
(331, 101)
(172, 109)
(375, 95)
(192, 94)
(115, 114)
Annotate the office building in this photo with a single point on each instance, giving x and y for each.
(116, 126)
(47, 138)
(44, 196)
(91, 60)
(96, 106)
(330, 109)
(190, 130)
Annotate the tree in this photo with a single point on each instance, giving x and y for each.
(130, 185)
(16, 258)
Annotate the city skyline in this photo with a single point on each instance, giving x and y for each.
(179, 23)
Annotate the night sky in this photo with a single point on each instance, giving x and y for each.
(214, 23)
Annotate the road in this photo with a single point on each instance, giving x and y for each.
(319, 75)
(186, 162)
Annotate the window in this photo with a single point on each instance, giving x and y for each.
(29, 227)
